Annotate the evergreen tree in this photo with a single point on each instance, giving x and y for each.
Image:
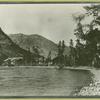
(59, 48)
(48, 60)
(63, 46)
(60, 56)
(36, 54)
(72, 53)
(71, 44)
(79, 52)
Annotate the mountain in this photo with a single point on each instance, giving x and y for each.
(44, 45)
(9, 49)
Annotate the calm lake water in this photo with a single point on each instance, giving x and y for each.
(30, 81)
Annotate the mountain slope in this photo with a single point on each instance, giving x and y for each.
(8, 48)
(44, 45)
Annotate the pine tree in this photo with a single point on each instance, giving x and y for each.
(48, 60)
(72, 53)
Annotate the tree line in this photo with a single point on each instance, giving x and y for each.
(86, 52)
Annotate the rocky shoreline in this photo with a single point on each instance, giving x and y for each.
(94, 88)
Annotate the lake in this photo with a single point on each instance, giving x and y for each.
(32, 81)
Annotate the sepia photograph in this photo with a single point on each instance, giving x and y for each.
(50, 50)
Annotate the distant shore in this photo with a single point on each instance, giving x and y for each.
(53, 67)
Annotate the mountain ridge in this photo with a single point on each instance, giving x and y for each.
(45, 45)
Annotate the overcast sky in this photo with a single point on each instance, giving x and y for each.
(53, 21)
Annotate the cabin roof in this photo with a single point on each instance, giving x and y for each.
(13, 58)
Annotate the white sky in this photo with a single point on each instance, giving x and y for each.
(53, 21)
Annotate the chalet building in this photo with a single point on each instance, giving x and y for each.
(13, 61)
